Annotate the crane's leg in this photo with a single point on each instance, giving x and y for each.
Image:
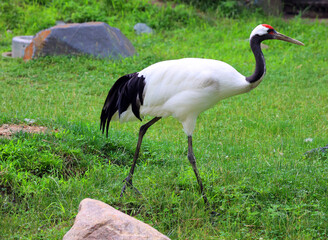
(192, 160)
(142, 132)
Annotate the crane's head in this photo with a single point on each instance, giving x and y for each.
(265, 31)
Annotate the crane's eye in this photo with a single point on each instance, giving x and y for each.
(271, 31)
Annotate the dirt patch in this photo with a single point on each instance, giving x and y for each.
(7, 130)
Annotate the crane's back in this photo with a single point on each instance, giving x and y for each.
(191, 85)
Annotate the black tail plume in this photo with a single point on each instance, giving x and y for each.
(127, 90)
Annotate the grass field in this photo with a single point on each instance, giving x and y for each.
(249, 148)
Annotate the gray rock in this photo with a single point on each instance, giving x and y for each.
(94, 38)
(97, 220)
(318, 150)
(140, 28)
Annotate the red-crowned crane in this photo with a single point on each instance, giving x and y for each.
(183, 89)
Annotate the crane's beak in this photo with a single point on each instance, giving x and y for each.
(282, 37)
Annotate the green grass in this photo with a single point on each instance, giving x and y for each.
(249, 149)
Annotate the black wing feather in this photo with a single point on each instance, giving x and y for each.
(126, 91)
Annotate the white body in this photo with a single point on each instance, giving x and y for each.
(186, 87)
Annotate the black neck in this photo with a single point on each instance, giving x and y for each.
(259, 72)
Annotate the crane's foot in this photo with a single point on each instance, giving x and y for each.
(128, 182)
(208, 206)
(214, 214)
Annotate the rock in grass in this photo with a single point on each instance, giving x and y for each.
(97, 220)
(140, 28)
(92, 38)
(317, 150)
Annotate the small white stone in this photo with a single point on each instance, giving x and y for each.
(308, 140)
(29, 121)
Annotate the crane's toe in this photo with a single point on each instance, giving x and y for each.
(128, 182)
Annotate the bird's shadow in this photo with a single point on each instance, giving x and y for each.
(117, 154)
(122, 154)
